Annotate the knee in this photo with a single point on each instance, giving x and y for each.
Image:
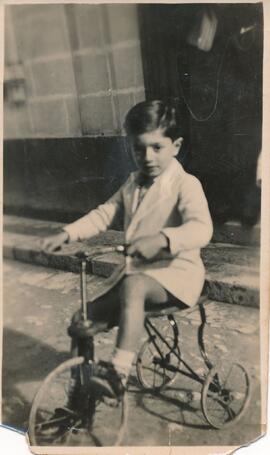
(77, 316)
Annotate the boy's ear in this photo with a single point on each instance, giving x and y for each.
(177, 145)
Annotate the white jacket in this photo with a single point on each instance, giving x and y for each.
(176, 205)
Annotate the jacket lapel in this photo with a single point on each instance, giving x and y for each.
(157, 193)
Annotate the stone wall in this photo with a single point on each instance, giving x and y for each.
(80, 69)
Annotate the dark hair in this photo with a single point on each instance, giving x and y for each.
(150, 115)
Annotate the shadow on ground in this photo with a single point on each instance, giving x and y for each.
(20, 383)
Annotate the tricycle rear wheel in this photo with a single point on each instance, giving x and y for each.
(225, 394)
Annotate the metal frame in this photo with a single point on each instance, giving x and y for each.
(153, 332)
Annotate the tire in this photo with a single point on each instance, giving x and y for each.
(151, 367)
(225, 394)
(90, 422)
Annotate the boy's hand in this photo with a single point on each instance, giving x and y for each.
(147, 247)
(54, 242)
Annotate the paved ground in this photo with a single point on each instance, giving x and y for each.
(38, 304)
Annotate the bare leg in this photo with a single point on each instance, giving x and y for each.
(135, 291)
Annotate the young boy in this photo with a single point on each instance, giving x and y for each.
(166, 222)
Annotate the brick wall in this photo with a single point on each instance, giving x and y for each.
(81, 67)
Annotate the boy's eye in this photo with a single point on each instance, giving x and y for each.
(157, 147)
(139, 149)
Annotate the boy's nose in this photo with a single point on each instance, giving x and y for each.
(148, 154)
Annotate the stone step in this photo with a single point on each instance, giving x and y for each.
(232, 270)
(237, 234)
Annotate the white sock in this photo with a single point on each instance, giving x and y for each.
(122, 361)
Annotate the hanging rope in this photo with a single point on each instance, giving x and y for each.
(213, 109)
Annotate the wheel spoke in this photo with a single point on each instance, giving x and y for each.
(155, 371)
(52, 422)
(231, 412)
(61, 437)
(226, 379)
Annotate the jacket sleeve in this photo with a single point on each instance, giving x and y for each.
(97, 220)
(196, 229)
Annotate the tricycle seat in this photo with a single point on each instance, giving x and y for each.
(157, 310)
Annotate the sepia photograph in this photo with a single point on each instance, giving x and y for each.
(133, 313)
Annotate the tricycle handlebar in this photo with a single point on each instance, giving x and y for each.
(101, 250)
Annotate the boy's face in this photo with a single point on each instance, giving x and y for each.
(153, 152)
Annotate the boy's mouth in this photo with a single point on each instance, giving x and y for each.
(150, 167)
(151, 170)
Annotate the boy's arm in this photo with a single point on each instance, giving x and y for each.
(97, 220)
(197, 228)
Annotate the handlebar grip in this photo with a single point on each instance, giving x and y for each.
(121, 248)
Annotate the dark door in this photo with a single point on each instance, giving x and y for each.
(218, 93)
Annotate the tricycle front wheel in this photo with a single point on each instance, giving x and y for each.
(90, 421)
